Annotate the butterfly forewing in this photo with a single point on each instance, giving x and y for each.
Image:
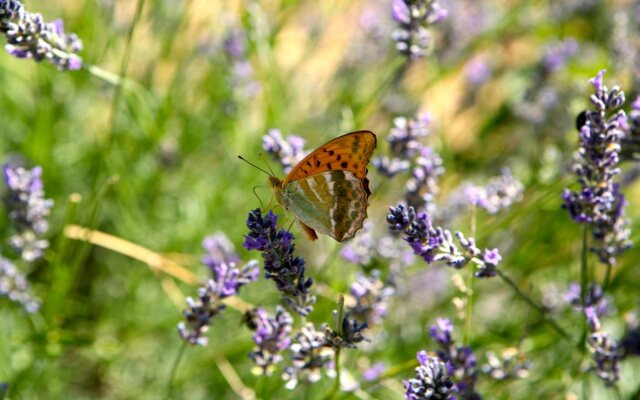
(350, 152)
(332, 202)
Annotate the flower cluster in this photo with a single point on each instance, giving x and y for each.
(280, 263)
(544, 101)
(556, 55)
(219, 250)
(414, 18)
(371, 296)
(368, 248)
(599, 202)
(511, 364)
(15, 286)
(460, 360)
(28, 210)
(606, 351)
(435, 244)
(226, 281)
(594, 298)
(432, 380)
(271, 338)
(235, 47)
(288, 152)
(347, 335)
(500, 193)
(310, 355)
(407, 152)
(29, 36)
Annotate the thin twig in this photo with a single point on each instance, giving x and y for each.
(536, 306)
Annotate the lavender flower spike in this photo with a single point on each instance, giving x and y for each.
(29, 210)
(226, 281)
(607, 353)
(311, 355)
(15, 286)
(436, 244)
(432, 380)
(271, 337)
(280, 263)
(288, 152)
(599, 201)
(414, 18)
(29, 36)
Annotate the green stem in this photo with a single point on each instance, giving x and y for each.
(584, 278)
(125, 64)
(607, 278)
(174, 368)
(338, 329)
(391, 372)
(584, 267)
(467, 318)
(534, 305)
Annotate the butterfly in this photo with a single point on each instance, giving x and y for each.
(328, 191)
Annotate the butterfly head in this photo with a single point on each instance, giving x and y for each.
(276, 186)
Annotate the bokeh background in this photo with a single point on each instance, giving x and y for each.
(154, 162)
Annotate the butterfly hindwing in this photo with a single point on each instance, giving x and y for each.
(332, 202)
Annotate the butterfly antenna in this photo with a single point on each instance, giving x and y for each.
(255, 166)
(266, 162)
(257, 197)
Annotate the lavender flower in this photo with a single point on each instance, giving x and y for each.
(390, 167)
(227, 281)
(594, 298)
(219, 249)
(361, 249)
(460, 360)
(288, 152)
(311, 354)
(414, 18)
(557, 54)
(404, 138)
(407, 152)
(349, 334)
(477, 70)
(511, 364)
(435, 244)
(368, 248)
(15, 286)
(280, 263)
(271, 337)
(235, 46)
(599, 201)
(29, 36)
(28, 210)
(371, 297)
(432, 380)
(606, 351)
(499, 193)
(373, 372)
(421, 189)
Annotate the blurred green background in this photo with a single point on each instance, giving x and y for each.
(155, 163)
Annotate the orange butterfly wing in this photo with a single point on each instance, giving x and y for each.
(350, 152)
